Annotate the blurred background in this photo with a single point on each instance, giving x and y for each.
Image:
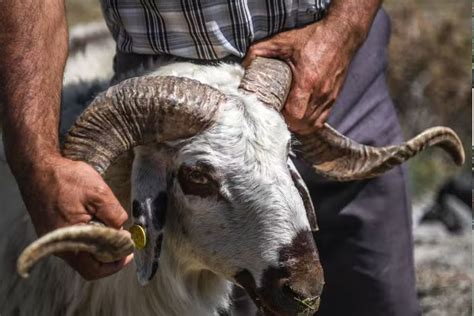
(430, 81)
(429, 75)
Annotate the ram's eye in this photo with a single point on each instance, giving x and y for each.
(198, 177)
(197, 180)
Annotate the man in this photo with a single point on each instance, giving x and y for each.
(335, 49)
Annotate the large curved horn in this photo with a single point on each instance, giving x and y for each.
(269, 80)
(106, 244)
(332, 154)
(131, 113)
(138, 111)
(339, 158)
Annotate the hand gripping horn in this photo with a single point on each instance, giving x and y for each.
(332, 154)
(134, 112)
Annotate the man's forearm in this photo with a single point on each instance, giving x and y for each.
(33, 46)
(57, 191)
(354, 17)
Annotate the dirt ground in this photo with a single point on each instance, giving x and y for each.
(443, 264)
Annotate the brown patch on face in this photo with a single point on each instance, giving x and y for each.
(272, 292)
(302, 260)
(294, 286)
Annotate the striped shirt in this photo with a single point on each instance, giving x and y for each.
(203, 29)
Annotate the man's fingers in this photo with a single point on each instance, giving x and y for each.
(279, 46)
(320, 106)
(311, 125)
(322, 118)
(91, 269)
(296, 104)
(105, 206)
(263, 49)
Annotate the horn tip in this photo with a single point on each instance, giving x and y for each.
(447, 139)
(458, 155)
(21, 269)
(461, 159)
(24, 275)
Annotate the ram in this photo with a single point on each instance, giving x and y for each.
(208, 158)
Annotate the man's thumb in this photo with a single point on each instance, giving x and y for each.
(109, 210)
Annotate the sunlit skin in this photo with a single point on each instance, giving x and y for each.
(319, 55)
(59, 192)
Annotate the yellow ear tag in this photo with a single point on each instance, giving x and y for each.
(138, 236)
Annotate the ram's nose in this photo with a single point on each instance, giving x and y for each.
(306, 278)
(295, 286)
(304, 288)
(305, 292)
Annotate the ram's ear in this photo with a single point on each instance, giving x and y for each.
(303, 190)
(149, 208)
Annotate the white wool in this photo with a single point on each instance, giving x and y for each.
(248, 145)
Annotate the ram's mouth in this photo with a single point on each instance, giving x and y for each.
(277, 300)
(283, 307)
(300, 306)
(310, 304)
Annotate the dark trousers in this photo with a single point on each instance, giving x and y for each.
(365, 238)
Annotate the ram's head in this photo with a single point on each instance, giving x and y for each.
(212, 180)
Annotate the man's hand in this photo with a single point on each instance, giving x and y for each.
(60, 192)
(319, 55)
